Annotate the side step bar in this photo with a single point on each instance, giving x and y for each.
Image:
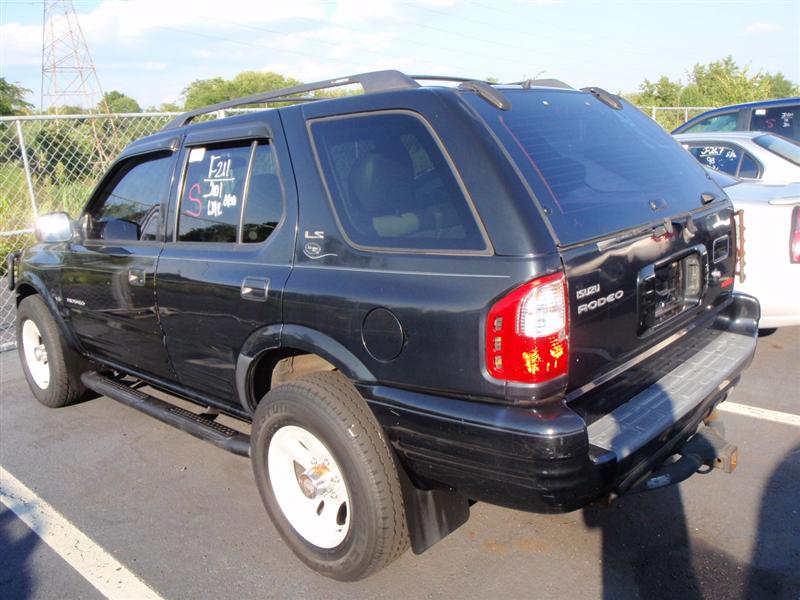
(197, 425)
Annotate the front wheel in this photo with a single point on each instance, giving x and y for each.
(51, 368)
(327, 477)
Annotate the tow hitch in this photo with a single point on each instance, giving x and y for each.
(705, 448)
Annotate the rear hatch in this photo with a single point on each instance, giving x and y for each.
(646, 238)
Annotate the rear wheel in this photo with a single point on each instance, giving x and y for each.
(327, 477)
(51, 368)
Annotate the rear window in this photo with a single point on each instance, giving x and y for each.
(392, 186)
(781, 120)
(782, 147)
(594, 169)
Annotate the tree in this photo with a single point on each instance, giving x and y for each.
(203, 92)
(12, 99)
(117, 102)
(715, 84)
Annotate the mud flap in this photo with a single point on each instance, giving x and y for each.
(431, 515)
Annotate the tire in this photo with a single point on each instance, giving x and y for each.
(360, 475)
(55, 379)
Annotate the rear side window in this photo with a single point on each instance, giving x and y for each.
(392, 186)
(724, 122)
(749, 167)
(720, 157)
(218, 183)
(128, 207)
(781, 120)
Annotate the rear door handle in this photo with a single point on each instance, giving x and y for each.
(136, 277)
(255, 288)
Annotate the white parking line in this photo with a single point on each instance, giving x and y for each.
(760, 413)
(97, 566)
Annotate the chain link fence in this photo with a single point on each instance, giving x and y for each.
(51, 163)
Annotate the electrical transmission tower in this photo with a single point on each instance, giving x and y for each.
(68, 74)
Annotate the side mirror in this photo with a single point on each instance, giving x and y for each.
(54, 227)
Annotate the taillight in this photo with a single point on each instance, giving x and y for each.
(527, 332)
(794, 236)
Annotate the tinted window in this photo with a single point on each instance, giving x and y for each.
(595, 169)
(781, 120)
(392, 186)
(264, 204)
(128, 205)
(726, 122)
(213, 191)
(784, 148)
(749, 167)
(720, 157)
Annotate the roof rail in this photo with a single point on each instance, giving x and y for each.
(375, 81)
(441, 78)
(555, 83)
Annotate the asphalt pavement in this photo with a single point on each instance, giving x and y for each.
(186, 517)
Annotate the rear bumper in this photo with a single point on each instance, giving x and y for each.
(548, 460)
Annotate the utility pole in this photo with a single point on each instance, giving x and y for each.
(68, 74)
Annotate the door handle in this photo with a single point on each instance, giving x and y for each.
(255, 288)
(136, 277)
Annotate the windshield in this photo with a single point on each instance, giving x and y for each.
(781, 146)
(594, 169)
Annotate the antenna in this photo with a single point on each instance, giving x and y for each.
(68, 74)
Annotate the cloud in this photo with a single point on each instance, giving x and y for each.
(762, 27)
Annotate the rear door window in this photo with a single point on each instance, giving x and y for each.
(723, 122)
(225, 199)
(392, 186)
(780, 120)
(213, 191)
(720, 157)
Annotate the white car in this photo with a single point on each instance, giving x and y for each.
(771, 246)
(746, 154)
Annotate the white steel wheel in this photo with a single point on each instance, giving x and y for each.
(35, 353)
(309, 486)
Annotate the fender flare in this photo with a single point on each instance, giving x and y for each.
(301, 338)
(34, 281)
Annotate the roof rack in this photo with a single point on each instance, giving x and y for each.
(376, 81)
(555, 83)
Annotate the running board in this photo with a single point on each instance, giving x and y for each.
(197, 425)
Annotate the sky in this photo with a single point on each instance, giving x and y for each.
(151, 50)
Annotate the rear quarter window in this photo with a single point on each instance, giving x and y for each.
(392, 186)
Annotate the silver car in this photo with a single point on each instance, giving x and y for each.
(746, 154)
(771, 217)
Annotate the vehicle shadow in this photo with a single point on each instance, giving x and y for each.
(774, 570)
(16, 579)
(646, 549)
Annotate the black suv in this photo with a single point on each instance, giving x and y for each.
(420, 297)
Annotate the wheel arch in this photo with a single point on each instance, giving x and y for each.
(265, 348)
(29, 284)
